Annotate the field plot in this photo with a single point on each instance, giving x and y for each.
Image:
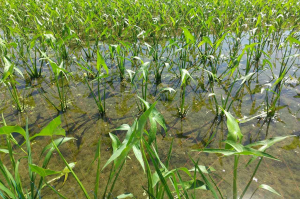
(150, 99)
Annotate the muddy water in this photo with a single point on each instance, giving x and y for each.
(83, 122)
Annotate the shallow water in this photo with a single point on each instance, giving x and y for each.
(83, 122)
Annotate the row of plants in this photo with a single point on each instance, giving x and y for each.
(93, 20)
(208, 69)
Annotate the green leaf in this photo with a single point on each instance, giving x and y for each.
(266, 61)
(207, 182)
(125, 195)
(41, 171)
(246, 77)
(234, 132)
(101, 62)
(188, 36)
(258, 21)
(8, 68)
(55, 68)
(115, 141)
(18, 182)
(184, 76)
(29, 157)
(237, 146)
(293, 40)
(219, 41)
(67, 170)
(134, 134)
(159, 173)
(204, 169)
(4, 151)
(225, 152)
(50, 37)
(123, 127)
(184, 169)
(7, 191)
(205, 40)
(144, 69)
(138, 155)
(280, 78)
(265, 144)
(143, 119)
(194, 184)
(84, 68)
(53, 128)
(131, 75)
(268, 142)
(6, 130)
(155, 116)
(57, 142)
(267, 187)
(245, 151)
(120, 153)
(19, 71)
(168, 89)
(250, 151)
(251, 46)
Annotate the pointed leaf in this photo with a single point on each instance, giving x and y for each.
(53, 128)
(6, 130)
(101, 62)
(225, 152)
(267, 187)
(184, 76)
(204, 169)
(154, 117)
(265, 144)
(4, 151)
(57, 142)
(125, 195)
(115, 141)
(7, 191)
(234, 132)
(123, 127)
(188, 36)
(237, 146)
(168, 89)
(268, 142)
(138, 155)
(191, 184)
(41, 171)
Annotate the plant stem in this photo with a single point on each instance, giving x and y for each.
(251, 179)
(71, 170)
(236, 162)
(113, 184)
(182, 99)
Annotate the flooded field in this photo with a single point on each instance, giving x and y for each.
(216, 91)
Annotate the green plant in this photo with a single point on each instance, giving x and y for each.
(234, 146)
(61, 81)
(98, 76)
(8, 79)
(185, 75)
(120, 58)
(11, 186)
(32, 67)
